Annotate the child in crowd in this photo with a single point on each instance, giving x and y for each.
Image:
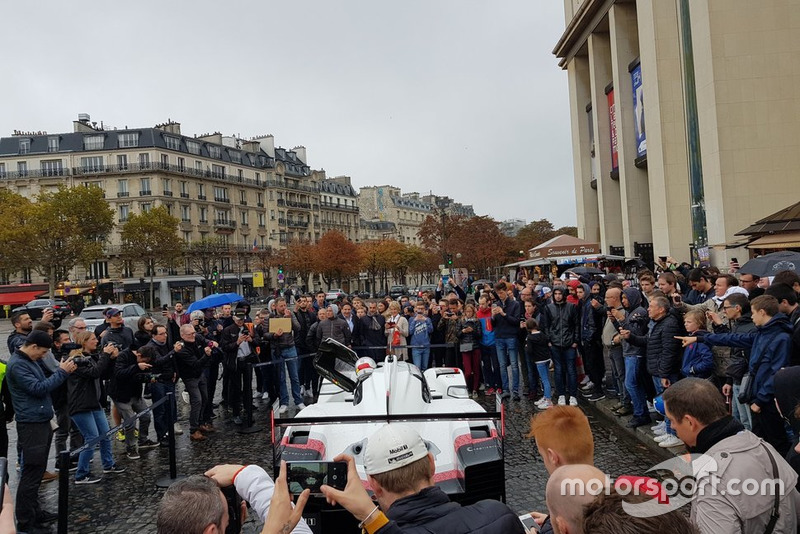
(469, 335)
(538, 354)
(420, 327)
(698, 360)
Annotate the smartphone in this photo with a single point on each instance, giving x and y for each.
(312, 475)
(529, 523)
(734, 260)
(663, 259)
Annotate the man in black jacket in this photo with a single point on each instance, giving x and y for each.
(131, 371)
(238, 347)
(165, 374)
(787, 304)
(560, 326)
(191, 358)
(400, 471)
(306, 317)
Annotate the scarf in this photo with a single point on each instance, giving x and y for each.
(714, 433)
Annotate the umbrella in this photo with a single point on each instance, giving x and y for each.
(481, 282)
(212, 301)
(772, 264)
(586, 270)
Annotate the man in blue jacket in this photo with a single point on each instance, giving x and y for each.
(30, 393)
(770, 350)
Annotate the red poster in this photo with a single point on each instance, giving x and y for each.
(612, 119)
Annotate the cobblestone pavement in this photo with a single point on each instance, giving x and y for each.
(128, 502)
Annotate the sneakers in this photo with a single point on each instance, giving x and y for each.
(114, 469)
(636, 422)
(120, 435)
(148, 444)
(660, 426)
(265, 396)
(283, 409)
(489, 391)
(651, 407)
(588, 387)
(562, 400)
(660, 431)
(256, 395)
(595, 396)
(544, 404)
(671, 441)
(132, 455)
(661, 437)
(573, 401)
(474, 394)
(623, 411)
(301, 406)
(88, 479)
(178, 430)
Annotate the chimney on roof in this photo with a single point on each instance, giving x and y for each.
(267, 143)
(83, 124)
(301, 153)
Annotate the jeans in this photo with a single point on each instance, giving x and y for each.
(544, 374)
(741, 411)
(618, 372)
(472, 369)
(659, 390)
(196, 388)
(93, 424)
(421, 357)
(507, 355)
(159, 390)
(129, 409)
(633, 387)
(564, 363)
(34, 441)
(288, 358)
(491, 367)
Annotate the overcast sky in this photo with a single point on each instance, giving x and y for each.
(459, 97)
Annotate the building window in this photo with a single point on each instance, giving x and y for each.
(198, 168)
(261, 221)
(270, 195)
(218, 171)
(124, 212)
(187, 236)
(144, 188)
(240, 174)
(22, 168)
(186, 212)
(51, 167)
(201, 191)
(203, 214)
(173, 143)
(167, 182)
(184, 189)
(122, 162)
(235, 155)
(52, 144)
(221, 194)
(98, 269)
(258, 177)
(24, 146)
(144, 160)
(170, 208)
(145, 207)
(223, 216)
(128, 140)
(2, 170)
(181, 164)
(242, 196)
(94, 142)
(214, 152)
(164, 161)
(122, 188)
(92, 164)
(193, 147)
(272, 215)
(261, 200)
(245, 217)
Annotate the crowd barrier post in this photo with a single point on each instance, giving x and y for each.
(64, 459)
(248, 426)
(165, 482)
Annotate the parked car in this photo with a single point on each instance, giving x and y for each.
(426, 289)
(35, 309)
(334, 294)
(398, 291)
(93, 315)
(360, 294)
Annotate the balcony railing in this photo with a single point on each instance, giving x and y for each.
(184, 195)
(167, 193)
(331, 205)
(298, 187)
(145, 193)
(221, 223)
(34, 173)
(123, 194)
(201, 197)
(260, 204)
(297, 224)
(222, 199)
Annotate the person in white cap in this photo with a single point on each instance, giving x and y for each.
(400, 472)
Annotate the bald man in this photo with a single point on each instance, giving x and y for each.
(569, 490)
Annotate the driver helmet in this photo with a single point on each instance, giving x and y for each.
(365, 366)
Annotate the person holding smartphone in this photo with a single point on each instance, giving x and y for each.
(421, 327)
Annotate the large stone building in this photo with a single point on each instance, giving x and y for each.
(248, 193)
(338, 207)
(714, 81)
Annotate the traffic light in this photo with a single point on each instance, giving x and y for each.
(280, 269)
(450, 259)
(215, 275)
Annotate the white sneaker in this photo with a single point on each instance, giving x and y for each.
(562, 400)
(283, 409)
(546, 404)
(585, 380)
(661, 437)
(671, 441)
(178, 430)
(573, 401)
(256, 395)
(651, 408)
(540, 402)
(661, 431)
(185, 397)
(301, 406)
(660, 426)
(265, 396)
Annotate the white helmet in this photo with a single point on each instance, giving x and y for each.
(365, 366)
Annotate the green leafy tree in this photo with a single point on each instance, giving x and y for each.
(14, 213)
(63, 229)
(151, 239)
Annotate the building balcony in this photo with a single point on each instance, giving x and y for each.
(284, 185)
(201, 197)
(260, 204)
(296, 224)
(221, 199)
(145, 193)
(164, 167)
(331, 205)
(243, 203)
(34, 173)
(167, 193)
(122, 194)
(184, 195)
(224, 226)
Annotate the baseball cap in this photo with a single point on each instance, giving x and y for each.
(111, 312)
(40, 339)
(391, 447)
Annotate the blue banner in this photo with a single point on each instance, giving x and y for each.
(638, 112)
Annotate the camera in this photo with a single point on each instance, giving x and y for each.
(70, 346)
(234, 502)
(81, 361)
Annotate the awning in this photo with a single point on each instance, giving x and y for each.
(74, 291)
(184, 283)
(782, 240)
(18, 297)
(138, 286)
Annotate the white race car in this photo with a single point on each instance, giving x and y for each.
(357, 398)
